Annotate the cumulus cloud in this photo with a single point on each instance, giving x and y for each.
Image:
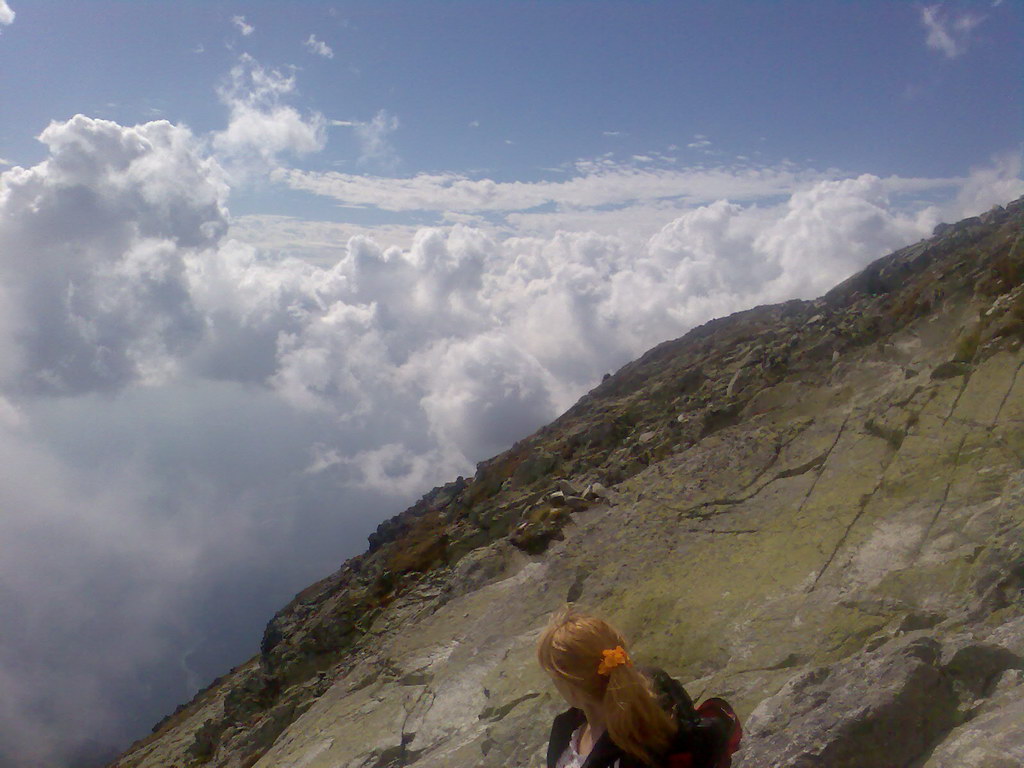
(93, 242)
(950, 35)
(6, 14)
(831, 229)
(261, 126)
(985, 187)
(319, 242)
(318, 47)
(479, 392)
(242, 26)
(458, 326)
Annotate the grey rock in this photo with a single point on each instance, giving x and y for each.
(566, 487)
(994, 738)
(950, 369)
(976, 666)
(576, 502)
(1010, 636)
(878, 709)
(993, 214)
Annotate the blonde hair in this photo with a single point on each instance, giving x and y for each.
(571, 648)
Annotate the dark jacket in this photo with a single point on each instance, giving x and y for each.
(672, 697)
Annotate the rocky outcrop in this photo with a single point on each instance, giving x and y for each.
(892, 705)
(814, 509)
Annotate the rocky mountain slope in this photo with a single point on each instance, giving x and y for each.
(814, 509)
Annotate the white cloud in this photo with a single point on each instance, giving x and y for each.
(392, 467)
(951, 36)
(481, 391)
(422, 324)
(6, 14)
(831, 230)
(261, 126)
(240, 23)
(322, 243)
(339, 336)
(93, 241)
(374, 144)
(375, 147)
(318, 47)
(700, 142)
(633, 224)
(985, 187)
(597, 184)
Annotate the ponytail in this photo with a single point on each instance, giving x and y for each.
(589, 653)
(634, 718)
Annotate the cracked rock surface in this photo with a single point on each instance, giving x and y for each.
(814, 509)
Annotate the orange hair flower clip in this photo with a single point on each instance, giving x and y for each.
(613, 658)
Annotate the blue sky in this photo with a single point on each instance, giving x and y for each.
(512, 90)
(269, 271)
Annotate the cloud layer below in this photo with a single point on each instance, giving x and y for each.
(194, 428)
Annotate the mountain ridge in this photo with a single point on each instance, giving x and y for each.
(775, 401)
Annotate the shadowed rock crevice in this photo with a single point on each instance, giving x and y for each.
(862, 505)
(945, 494)
(499, 712)
(1009, 390)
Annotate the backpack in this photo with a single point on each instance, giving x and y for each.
(708, 734)
(710, 740)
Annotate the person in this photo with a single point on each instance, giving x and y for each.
(620, 715)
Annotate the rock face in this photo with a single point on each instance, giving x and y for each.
(814, 509)
(884, 707)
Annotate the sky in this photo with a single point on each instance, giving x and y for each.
(270, 271)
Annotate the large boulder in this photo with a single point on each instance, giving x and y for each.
(879, 709)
